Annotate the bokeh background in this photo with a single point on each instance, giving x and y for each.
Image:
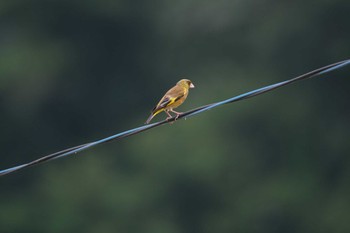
(75, 71)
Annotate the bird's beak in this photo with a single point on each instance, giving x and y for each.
(191, 85)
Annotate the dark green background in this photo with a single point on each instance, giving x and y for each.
(75, 71)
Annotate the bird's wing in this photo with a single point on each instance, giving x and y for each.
(165, 101)
(169, 98)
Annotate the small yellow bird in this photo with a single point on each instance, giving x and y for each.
(172, 99)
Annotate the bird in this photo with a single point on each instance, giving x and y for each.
(173, 98)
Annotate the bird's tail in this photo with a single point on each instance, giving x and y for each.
(150, 118)
(155, 111)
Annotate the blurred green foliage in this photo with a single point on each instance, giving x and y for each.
(75, 71)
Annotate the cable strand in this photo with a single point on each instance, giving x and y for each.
(190, 113)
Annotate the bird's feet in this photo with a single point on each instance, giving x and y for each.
(177, 114)
(169, 118)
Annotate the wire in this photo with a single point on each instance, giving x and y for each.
(190, 113)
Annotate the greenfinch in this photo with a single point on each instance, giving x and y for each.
(172, 99)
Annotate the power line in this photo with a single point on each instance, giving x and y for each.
(190, 113)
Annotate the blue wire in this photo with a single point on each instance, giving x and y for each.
(190, 113)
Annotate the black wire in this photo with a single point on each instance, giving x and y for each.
(190, 113)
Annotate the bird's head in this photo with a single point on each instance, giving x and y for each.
(185, 83)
